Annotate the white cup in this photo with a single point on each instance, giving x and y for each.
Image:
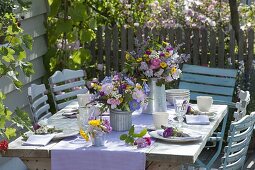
(83, 99)
(160, 118)
(204, 103)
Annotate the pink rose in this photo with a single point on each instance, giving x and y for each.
(155, 63)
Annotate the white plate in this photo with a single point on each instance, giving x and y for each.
(193, 136)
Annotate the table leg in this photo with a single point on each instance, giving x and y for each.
(37, 163)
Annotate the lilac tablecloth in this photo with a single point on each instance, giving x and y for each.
(75, 154)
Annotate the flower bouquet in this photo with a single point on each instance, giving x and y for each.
(96, 130)
(158, 63)
(153, 60)
(123, 96)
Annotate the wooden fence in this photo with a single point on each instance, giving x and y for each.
(207, 47)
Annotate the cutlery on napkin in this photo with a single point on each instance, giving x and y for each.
(197, 119)
(70, 114)
(38, 140)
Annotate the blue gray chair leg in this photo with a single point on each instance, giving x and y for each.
(7, 163)
(219, 138)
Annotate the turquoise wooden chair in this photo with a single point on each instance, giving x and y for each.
(65, 86)
(216, 82)
(38, 102)
(239, 137)
(244, 99)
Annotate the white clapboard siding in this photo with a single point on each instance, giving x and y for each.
(33, 24)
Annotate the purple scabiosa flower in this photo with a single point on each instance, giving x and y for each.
(134, 105)
(101, 93)
(162, 54)
(169, 49)
(148, 52)
(168, 132)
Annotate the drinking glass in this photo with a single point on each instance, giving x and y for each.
(180, 105)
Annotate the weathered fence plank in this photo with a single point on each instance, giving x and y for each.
(221, 50)
(195, 54)
(179, 38)
(130, 39)
(100, 50)
(250, 51)
(212, 40)
(93, 54)
(115, 46)
(187, 42)
(204, 39)
(108, 43)
(123, 46)
(232, 48)
(240, 46)
(171, 34)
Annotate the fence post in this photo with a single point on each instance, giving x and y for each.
(108, 48)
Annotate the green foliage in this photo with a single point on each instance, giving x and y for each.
(131, 136)
(13, 46)
(69, 29)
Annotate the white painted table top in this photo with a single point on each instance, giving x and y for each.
(159, 151)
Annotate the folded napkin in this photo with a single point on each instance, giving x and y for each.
(38, 140)
(197, 119)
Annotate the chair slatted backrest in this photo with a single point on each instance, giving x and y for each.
(216, 82)
(241, 106)
(239, 137)
(38, 102)
(65, 86)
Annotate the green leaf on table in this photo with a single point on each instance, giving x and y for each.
(123, 137)
(141, 134)
(129, 140)
(131, 130)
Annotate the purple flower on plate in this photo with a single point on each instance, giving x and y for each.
(168, 132)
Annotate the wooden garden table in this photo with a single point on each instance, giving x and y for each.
(160, 155)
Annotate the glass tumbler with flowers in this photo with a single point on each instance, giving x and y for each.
(159, 64)
(123, 96)
(96, 130)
